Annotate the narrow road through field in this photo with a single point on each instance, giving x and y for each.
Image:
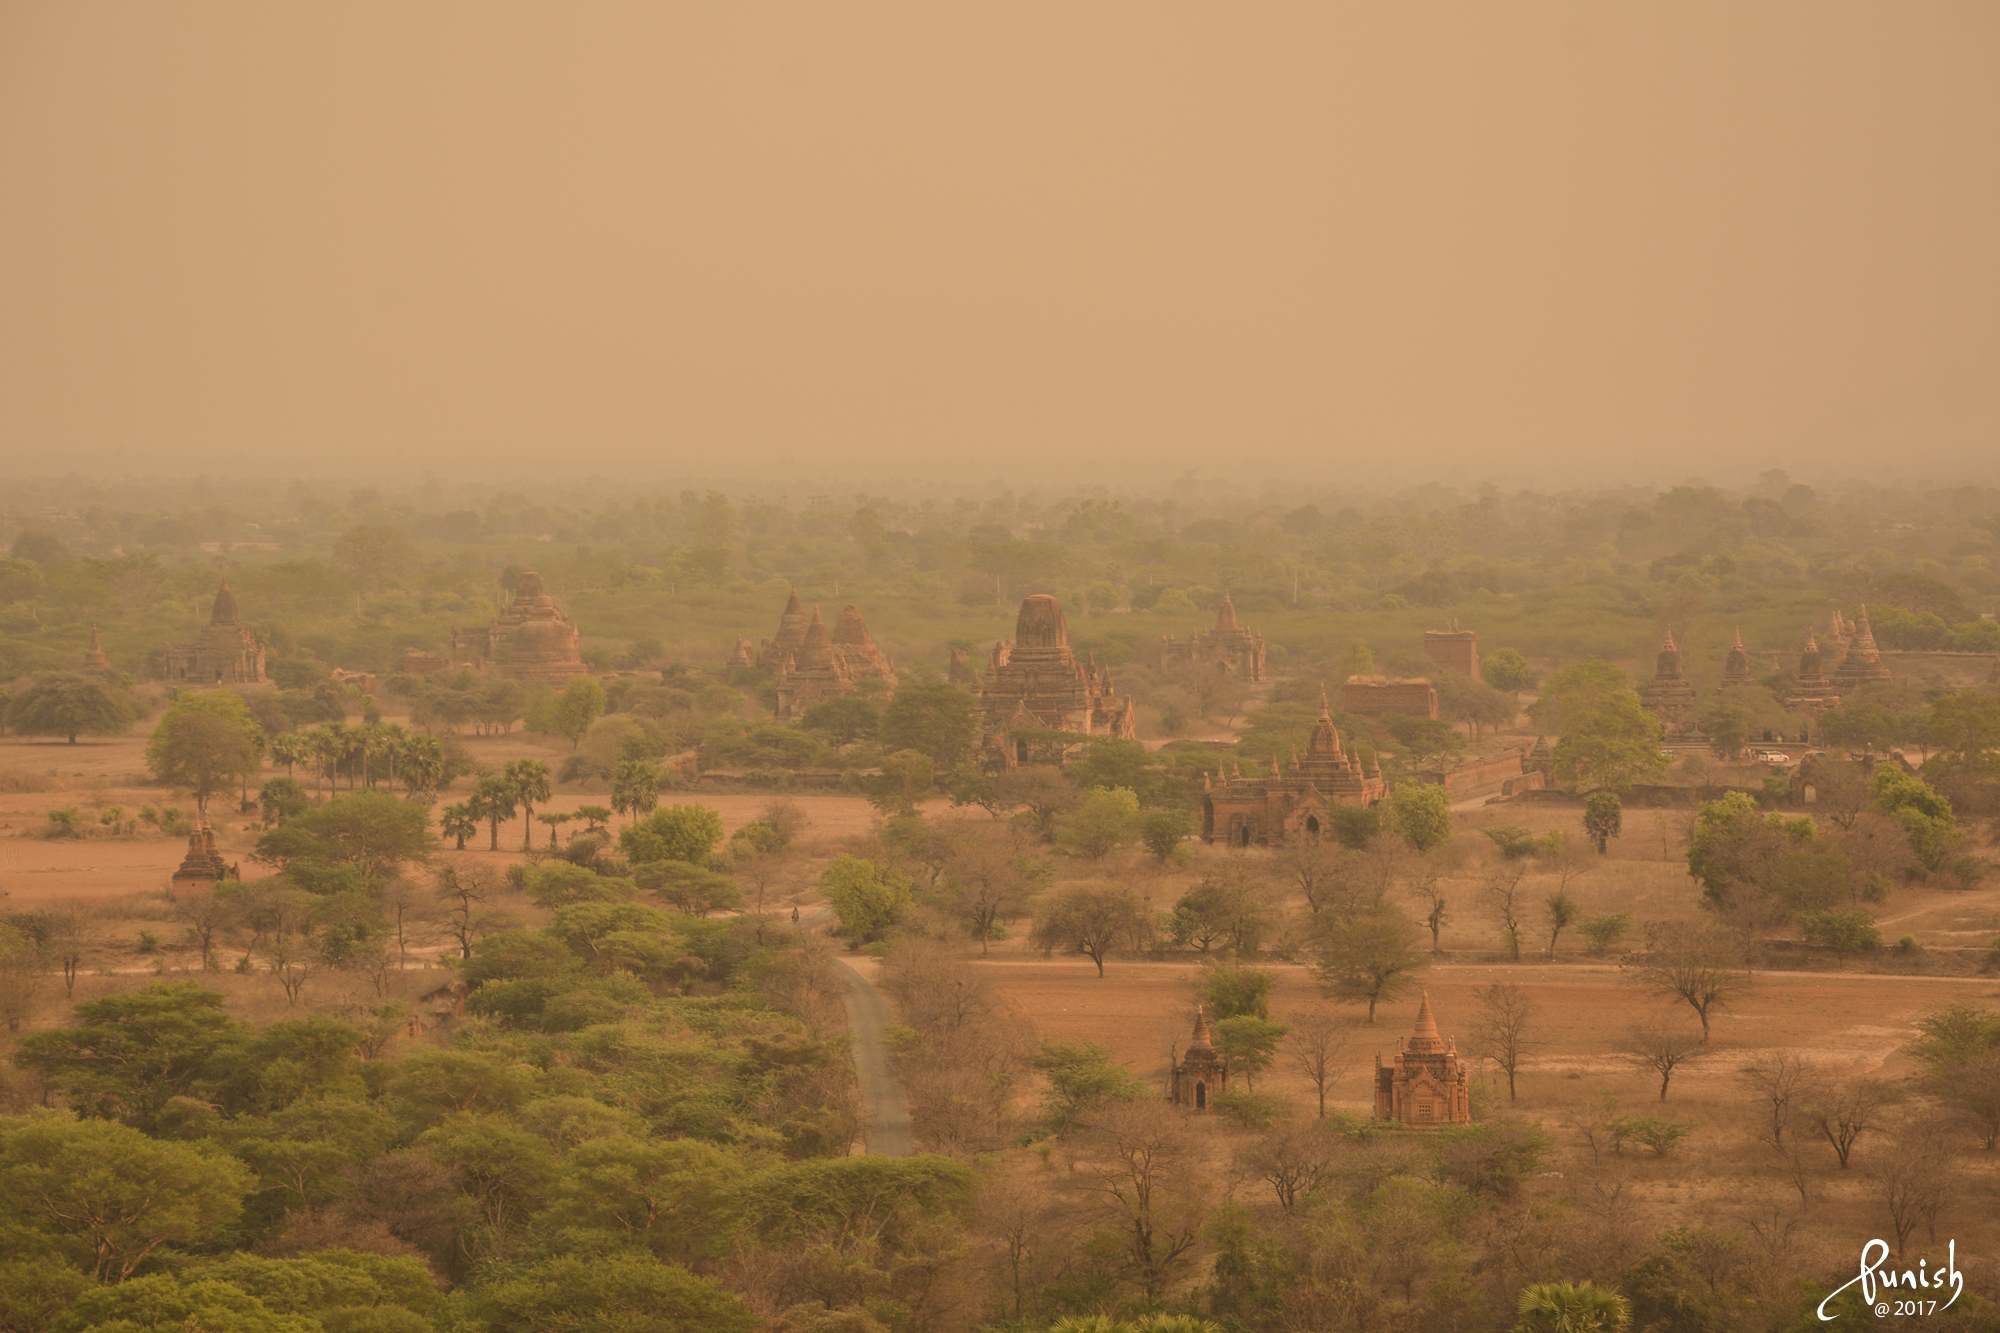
(885, 1116)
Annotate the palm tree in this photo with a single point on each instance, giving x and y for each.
(529, 781)
(1572, 1307)
(492, 800)
(326, 742)
(635, 787)
(423, 764)
(288, 748)
(459, 821)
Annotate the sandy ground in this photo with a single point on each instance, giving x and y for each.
(95, 775)
(1851, 1023)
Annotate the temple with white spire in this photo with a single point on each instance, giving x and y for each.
(1425, 1085)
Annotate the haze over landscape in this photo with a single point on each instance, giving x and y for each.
(1027, 669)
(1541, 244)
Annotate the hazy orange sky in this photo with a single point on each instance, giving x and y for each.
(1091, 242)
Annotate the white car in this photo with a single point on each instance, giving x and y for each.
(1773, 757)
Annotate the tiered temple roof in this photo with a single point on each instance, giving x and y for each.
(531, 631)
(1290, 803)
(1812, 692)
(1036, 683)
(1228, 645)
(1425, 1085)
(1669, 695)
(1736, 668)
(93, 656)
(829, 665)
(1863, 663)
(226, 653)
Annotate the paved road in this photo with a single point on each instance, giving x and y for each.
(885, 1117)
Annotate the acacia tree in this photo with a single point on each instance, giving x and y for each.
(206, 743)
(1662, 1047)
(69, 703)
(1095, 920)
(1369, 959)
(1702, 964)
(1137, 1164)
(987, 881)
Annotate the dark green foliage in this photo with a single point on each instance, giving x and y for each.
(934, 720)
(1080, 1076)
(70, 704)
(679, 833)
(845, 720)
(370, 832)
(1603, 818)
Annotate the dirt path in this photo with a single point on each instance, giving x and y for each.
(885, 1116)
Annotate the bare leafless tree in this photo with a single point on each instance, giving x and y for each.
(292, 961)
(1508, 900)
(1502, 1028)
(207, 916)
(1841, 1113)
(463, 887)
(1318, 1043)
(1295, 1160)
(1136, 1166)
(1703, 964)
(1661, 1046)
(1916, 1181)
(1781, 1082)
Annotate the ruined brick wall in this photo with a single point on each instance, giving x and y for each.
(1373, 696)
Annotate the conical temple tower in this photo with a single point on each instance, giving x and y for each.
(1425, 1085)
(1863, 663)
(1200, 1074)
(1736, 667)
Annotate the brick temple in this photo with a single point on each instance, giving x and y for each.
(540, 643)
(1424, 1086)
(828, 665)
(1228, 646)
(227, 652)
(1035, 683)
(1454, 650)
(1200, 1074)
(1290, 803)
(1670, 696)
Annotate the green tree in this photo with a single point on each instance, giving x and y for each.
(678, 833)
(1369, 959)
(619, 1293)
(1095, 920)
(109, 1195)
(1231, 989)
(370, 831)
(1420, 814)
(1572, 1307)
(375, 555)
(492, 801)
(1924, 813)
(282, 799)
(1106, 821)
(691, 889)
(1842, 933)
(1612, 743)
(1725, 725)
(581, 704)
(459, 823)
(1603, 818)
(1562, 912)
(635, 787)
(1868, 727)
(1505, 669)
(528, 780)
(69, 703)
(845, 720)
(1574, 692)
(1249, 1044)
(1081, 1075)
(1474, 704)
(1426, 740)
(656, 1194)
(1164, 832)
(867, 898)
(905, 781)
(936, 720)
(126, 1056)
(206, 743)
